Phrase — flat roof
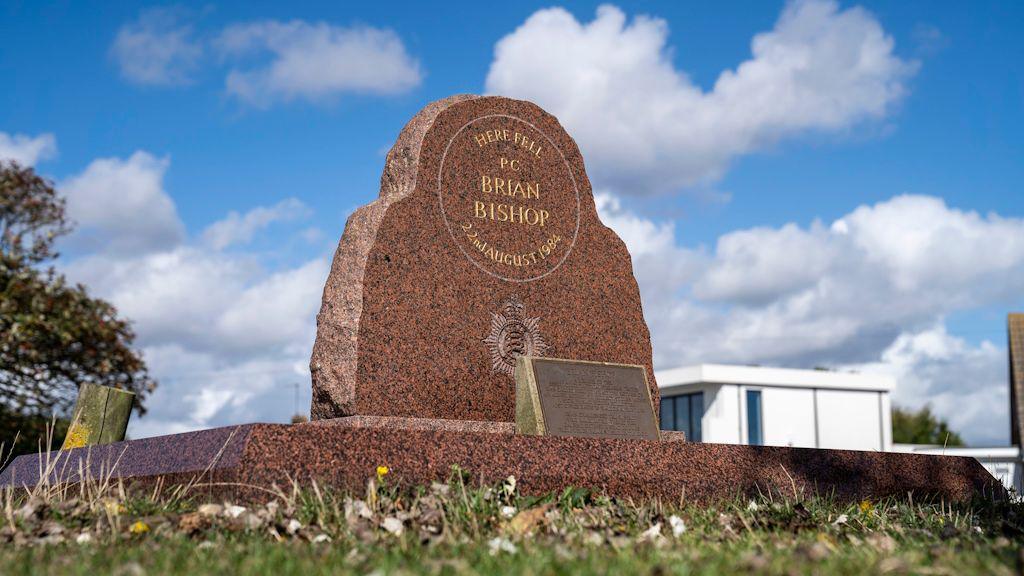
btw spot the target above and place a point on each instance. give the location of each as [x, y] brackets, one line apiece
[770, 377]
[979, 452]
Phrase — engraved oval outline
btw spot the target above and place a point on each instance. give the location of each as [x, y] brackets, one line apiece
[448, 224]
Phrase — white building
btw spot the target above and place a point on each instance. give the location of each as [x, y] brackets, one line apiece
[777, 406]
[801, 408]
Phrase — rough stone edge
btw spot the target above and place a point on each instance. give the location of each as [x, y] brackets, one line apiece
[342, 304]
[202, 455]
[271, 454]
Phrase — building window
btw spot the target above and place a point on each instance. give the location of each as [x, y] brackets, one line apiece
[755, 435]
[668, 414]
[683, 414]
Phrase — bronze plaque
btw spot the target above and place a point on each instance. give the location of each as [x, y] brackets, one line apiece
[556, 397]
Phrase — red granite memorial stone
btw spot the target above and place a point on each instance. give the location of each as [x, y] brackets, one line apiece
[484, 244]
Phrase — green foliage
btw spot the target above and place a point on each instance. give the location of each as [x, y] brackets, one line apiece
[922, 427]
[53, 335]
[29, 434]
[31, 215]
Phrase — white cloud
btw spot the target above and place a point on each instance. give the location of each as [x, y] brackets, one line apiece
[758, 265]
[225, 335]
[206, 300]
[295, 294]
[159, 48]
[965, 383]
[238, 228]
[199, 389]
[870, 290]
[645, 127]
[315, 61]
[173, 296]
[121, 206]
[270, 61]
[641, 236]
[27, 150]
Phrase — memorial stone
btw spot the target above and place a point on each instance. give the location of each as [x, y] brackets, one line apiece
[484, 247]
[484, 244]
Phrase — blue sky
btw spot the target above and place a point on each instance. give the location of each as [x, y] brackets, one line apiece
[812, 212]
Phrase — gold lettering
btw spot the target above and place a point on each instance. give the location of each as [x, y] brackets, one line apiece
[516, 211]
[523, 141]
[508, 187]
[531, 217]
[480, 139]
[511, 164]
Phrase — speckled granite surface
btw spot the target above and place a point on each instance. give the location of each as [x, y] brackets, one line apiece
[484, 243]
[242, 462]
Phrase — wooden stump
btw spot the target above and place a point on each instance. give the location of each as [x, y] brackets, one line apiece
[100, 417]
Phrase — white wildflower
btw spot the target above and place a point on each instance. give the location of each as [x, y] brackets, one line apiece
[393, 525]
[210, 510]
[677, 524]
[651, 534]
[499, 544]
[234, 511]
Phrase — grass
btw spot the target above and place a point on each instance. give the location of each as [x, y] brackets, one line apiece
[456, 527]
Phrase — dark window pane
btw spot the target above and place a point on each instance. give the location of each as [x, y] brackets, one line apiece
[696, 415]
[754, 417]
[683, 413]
[667, 417]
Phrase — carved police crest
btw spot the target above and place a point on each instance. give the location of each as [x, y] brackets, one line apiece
[512, 335]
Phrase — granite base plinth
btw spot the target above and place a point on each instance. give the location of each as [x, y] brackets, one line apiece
[243, 462]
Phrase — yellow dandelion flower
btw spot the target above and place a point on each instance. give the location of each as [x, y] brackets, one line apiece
[382, 471]
[139, 527]
[866, 506]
